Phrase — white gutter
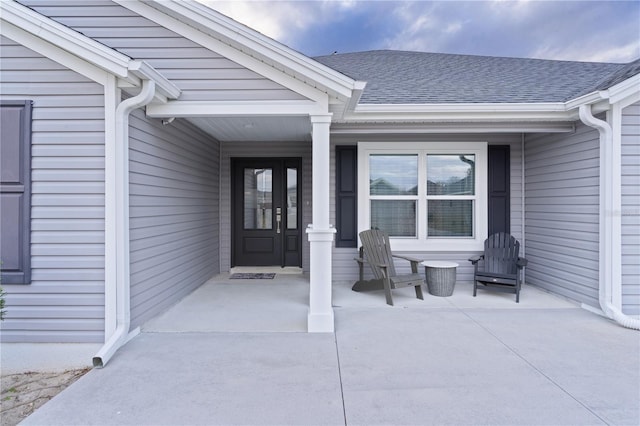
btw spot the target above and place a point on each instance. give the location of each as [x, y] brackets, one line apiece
[123, 312]
[609, 215]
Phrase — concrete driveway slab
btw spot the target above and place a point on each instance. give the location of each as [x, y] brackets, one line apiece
[592, 358]
[438, 367]
[207, 379]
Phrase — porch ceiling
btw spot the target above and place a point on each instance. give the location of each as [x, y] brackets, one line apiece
[252, 128]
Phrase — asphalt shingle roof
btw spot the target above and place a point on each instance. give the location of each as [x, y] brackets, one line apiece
[400, 77]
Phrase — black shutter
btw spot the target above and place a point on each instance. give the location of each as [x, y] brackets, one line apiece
[346, 196]
[499, 204]
[15, 192]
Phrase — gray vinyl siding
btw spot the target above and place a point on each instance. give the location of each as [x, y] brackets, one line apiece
[259, 150]
[174, 189]
[631, 210]
[200, 73]
[346, 269]
[65, 300]
[562, 209]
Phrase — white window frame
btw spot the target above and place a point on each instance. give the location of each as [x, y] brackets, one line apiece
[422, 242]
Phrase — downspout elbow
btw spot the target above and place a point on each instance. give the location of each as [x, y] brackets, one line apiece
[123, 315]
[606, 140]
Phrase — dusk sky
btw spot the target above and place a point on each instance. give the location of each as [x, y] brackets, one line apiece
[601, 31]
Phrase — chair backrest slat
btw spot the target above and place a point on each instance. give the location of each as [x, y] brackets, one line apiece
[377, 249]
[501, 252]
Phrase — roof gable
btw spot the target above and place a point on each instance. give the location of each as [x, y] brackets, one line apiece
[247, 47]
[209, 56]
[76, 51]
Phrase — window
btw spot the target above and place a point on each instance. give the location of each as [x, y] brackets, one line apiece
[15, 191]
[425, 195]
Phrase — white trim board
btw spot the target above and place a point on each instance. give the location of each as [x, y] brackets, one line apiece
[234, 108]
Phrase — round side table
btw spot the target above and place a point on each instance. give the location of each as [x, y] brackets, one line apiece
[440, 277]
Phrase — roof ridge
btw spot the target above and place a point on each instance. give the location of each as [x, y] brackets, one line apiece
[467, 55]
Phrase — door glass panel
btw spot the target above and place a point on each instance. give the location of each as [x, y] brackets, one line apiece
[292, 198]
[258, 198]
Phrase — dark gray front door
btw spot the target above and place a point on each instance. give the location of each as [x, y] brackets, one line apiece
[266, 212]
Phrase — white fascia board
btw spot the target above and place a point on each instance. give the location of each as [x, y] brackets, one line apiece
[355, 98]
[204, 26]
[53, 52]
[165, 87]
[234, 108]
[431, 128]
[270, 51]
[466, 112]
[625, 89]
[588, 99]
[64, 38]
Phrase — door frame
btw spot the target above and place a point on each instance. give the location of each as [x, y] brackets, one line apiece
[286, 257]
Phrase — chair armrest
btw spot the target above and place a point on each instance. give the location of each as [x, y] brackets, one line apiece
[377, 265]
[521, 262]
[410, 259]
[476, 259]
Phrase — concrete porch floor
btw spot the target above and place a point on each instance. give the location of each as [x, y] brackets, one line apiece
[281, 304]
[234, 352]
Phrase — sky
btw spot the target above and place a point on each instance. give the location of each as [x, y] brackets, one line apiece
[598, 31]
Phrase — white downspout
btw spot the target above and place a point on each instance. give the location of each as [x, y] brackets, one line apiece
[523, 204]
[123, 312]
[607, 213]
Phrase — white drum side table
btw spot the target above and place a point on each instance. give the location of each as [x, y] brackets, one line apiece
[440, 277]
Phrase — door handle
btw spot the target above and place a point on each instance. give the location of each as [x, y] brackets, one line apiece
[278, 219]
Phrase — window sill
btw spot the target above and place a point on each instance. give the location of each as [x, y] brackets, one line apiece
[436, 245]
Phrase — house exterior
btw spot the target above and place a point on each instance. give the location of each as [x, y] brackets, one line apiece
[148, 146]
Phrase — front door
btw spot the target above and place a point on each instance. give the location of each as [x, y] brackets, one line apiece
[266, 213]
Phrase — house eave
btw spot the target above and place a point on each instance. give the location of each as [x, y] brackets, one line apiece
[461, 112]
[164, 87]
[233, 108]
[260, 47]
[416, 128]
[623, 90]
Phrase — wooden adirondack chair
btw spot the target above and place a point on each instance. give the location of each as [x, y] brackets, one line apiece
[499, 267]
[376, 251]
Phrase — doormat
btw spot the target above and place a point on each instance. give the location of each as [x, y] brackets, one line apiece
[252, 276]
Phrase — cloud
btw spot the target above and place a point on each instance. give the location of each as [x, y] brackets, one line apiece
[279, 21]
[590, 51]
[570, 30]
[285, 21]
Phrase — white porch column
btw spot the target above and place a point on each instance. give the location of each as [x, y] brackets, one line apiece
[320, 232]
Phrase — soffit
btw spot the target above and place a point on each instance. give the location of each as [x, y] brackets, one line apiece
[257, 129]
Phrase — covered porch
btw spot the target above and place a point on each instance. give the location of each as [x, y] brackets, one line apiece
[281, 304]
